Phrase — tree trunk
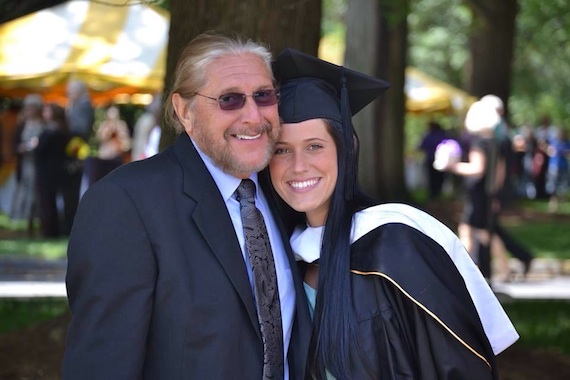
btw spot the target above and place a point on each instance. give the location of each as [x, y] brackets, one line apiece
[377, 45]
[361, 26]
[492, 45]
[277, 23]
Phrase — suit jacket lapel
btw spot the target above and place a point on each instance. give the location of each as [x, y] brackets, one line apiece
[212, 218]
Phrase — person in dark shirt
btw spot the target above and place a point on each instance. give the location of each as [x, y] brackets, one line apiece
[429, 143]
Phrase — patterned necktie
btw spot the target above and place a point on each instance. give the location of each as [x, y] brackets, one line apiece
[265, 281]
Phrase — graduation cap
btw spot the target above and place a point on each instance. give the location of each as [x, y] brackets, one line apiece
[315, 89]
[312, 88]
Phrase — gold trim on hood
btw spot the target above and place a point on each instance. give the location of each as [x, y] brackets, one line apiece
[426, 310]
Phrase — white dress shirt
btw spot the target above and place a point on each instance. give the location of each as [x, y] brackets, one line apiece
[227, 184]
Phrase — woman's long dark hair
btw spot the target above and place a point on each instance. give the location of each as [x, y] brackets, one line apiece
[333, 338]
[332, 343]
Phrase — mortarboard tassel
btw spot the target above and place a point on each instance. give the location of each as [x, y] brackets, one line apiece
[348, 129]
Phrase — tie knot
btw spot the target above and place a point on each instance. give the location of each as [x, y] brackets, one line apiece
[246, 190]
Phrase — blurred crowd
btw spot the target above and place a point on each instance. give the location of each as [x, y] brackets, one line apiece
[540, 164]
[497, 163]
[50, 154]
[537, 166]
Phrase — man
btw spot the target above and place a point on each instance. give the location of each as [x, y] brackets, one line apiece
[80, 112]
[159, 281]
[80, 118]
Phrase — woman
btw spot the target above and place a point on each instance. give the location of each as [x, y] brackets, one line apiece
[390, 301]
[484, 176]
[25, 142]
[114, 141]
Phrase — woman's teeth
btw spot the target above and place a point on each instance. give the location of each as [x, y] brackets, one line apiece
[303, 184]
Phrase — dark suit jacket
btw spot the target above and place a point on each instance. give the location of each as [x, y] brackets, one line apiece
[156, 280]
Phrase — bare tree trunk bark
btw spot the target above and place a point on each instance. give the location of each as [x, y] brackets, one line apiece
[377, 45]
[360, 54]
[492, 46]
[393, 46]
[277, 23]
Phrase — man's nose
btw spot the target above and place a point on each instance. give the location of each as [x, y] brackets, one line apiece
[251, 112]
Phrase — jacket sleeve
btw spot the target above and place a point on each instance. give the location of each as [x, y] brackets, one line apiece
[110, 283]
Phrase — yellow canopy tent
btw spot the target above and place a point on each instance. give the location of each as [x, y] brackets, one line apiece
[115, 50]
[122, 50]
[426, 95]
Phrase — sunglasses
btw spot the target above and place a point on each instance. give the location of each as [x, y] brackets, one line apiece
[234, 100]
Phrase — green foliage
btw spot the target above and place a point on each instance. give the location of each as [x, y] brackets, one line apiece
[439, 46]
[438, 37]
[16, 314]
[543, 323]
[542, 62]
[165, 4]
[333, 17]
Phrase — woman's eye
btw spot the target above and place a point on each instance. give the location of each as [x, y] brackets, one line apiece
[280, 151]
[315, 147]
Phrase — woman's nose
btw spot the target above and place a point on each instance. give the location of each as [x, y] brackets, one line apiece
[299, 163]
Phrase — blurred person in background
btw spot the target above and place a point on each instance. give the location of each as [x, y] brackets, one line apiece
[430, 141]
[144, 142]
[558, 176]
[114, 140]
[523, 146]
[502, 240]
[80, 112]
[544, 133]
[25, 142]
[50, 159]
[484, 175]
[80, 118]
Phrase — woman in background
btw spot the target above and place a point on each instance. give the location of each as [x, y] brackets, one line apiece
[25, 142]
[114, 141]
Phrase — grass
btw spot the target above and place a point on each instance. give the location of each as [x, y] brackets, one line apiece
[542, 323]
[17, 243]
[16, 314]
[39, 248]
[544, 239]
[541, 205]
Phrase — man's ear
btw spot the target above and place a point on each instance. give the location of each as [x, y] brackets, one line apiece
[182, 109]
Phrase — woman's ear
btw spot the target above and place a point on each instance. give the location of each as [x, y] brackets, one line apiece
[183, 112]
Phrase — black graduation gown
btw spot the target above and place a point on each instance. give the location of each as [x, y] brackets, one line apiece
[415, 317]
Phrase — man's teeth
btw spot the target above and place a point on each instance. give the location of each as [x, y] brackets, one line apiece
[246, 137]
[304, 184]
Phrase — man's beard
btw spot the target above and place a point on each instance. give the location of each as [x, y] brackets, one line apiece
[225, 158]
